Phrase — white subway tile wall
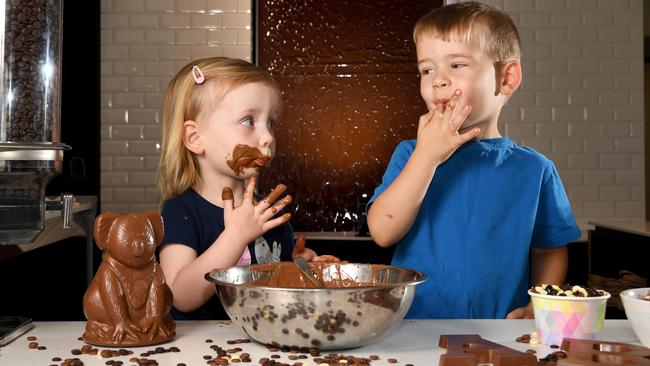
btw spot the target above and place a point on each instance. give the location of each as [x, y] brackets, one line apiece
[581, 101]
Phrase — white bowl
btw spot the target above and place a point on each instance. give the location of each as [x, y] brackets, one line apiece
[638, 312]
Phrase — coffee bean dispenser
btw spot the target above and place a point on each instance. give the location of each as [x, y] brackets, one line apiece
[30, 91]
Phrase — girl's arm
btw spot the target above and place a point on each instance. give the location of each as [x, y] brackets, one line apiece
[546, 266]
[184, 270]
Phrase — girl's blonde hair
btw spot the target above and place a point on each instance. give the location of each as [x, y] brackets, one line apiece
[475, 23]
[185, 98]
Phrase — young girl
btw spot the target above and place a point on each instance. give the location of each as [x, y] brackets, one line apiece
[217, 134]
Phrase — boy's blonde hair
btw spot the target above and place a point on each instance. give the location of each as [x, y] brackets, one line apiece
[185, 99]
[481, 25]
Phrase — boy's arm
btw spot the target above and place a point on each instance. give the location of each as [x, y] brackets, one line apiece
[391, 215]
[546, 266]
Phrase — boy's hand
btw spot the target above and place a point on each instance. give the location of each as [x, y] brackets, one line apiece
[522, 313]
[438, 135]
[252, 219]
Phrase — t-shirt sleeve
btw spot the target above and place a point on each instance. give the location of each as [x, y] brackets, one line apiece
[555, 224]
[397, 162]
[180, 224]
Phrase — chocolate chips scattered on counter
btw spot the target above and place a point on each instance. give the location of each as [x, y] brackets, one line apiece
[567, 290]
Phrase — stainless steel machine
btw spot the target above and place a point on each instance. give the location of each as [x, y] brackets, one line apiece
[31, 152]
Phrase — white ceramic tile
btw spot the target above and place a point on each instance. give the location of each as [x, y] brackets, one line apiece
[190, 36]
[596, 50]
[629, 145]
[599, 177]
[145, 116]
[583, 193]
[159, 36]
[127, 132]
[236, 20]
[224, 36]
[581, 34]
[142, 21]
[566, 19]
[629, 177]
[597, 19]
[114, 52]
[224, 6]
[208, 20]
[614, 161]
[144, 53]
[599, 209]
[128, 195]
[159, 6]
[518, 5]
[175, 21]
[630, 209]
[175, 53]
[534, 19]
[582, 5]
[113, 21]
[128, 163]
[143, 179]
[619, 5]
[550, 5]
[128, 6]
[584, 161]
[615, 193]
[114, 179]
[191, 6]
[128, 100]
[114, 148]
[550, 35]
[159, 68]
[142, 148]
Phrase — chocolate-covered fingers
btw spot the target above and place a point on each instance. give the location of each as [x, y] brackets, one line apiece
[275, 194]
[278, 206]
[450, 106]
[228, 199]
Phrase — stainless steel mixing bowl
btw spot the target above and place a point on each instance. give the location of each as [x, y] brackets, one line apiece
[325, 318]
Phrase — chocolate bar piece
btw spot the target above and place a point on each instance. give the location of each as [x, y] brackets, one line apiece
[472, 350]
[586, 352]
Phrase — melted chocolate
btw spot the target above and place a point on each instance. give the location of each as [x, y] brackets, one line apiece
[244, 156]
[287, 275]
[593, 352]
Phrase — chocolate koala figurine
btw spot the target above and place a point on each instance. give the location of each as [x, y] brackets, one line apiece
[128, 302]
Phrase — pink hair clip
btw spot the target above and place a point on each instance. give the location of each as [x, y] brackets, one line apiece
[199, 78]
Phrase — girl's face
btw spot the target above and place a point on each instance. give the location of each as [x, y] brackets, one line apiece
[237, 133]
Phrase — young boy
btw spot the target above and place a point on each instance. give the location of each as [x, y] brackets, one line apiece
[465, 205]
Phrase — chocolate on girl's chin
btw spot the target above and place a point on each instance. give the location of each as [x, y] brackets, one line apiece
[246, 157]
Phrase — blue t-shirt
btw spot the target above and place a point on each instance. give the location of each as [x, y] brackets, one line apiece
[486, 206]
[191, 220]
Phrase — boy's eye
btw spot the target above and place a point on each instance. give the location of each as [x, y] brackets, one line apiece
[427, 72]
[247, 122]
[457, 66]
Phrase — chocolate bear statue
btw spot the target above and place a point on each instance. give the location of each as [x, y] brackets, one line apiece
[128, 302]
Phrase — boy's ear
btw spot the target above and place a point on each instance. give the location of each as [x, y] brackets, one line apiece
[508, 77]
[192, 137]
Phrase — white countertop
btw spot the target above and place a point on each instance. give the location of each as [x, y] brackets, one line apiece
[414, 342]
[632, 227]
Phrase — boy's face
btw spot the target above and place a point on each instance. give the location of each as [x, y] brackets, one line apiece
[447, 66]
[245, 117]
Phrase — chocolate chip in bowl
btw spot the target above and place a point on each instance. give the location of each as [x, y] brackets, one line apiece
[565, 311]
[275, 305]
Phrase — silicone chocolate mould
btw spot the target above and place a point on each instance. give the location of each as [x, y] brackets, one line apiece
[472, 350]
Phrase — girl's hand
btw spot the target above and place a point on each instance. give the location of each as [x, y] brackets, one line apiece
[438, 135]
[252, 219]
[299, 250]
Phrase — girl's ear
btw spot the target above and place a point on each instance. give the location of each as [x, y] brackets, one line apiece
[509, 78]
[192, 137]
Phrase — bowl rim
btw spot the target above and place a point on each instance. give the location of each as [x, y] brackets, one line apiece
[566, 298]
[625, 294]
[422, 278]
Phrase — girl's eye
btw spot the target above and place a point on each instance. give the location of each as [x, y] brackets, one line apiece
[270, 123]
[247, 122]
